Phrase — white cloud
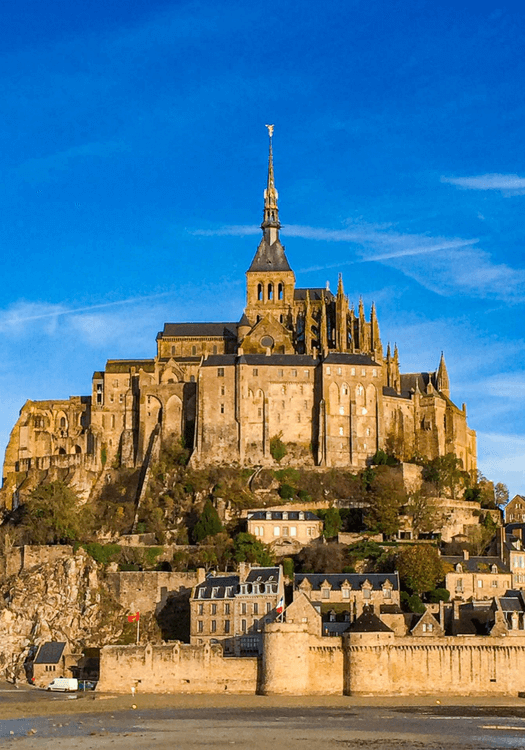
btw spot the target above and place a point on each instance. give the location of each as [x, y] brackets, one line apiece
[502, 458]
[510, 184]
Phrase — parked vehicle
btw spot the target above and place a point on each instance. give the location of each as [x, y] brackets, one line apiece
[87, 684]
[64, 684]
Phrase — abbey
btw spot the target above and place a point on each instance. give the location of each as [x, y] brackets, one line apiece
[301, 366]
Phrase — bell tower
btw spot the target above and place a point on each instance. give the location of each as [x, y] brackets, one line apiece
[270, 282]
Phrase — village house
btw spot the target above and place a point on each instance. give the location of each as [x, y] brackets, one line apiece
[515, 510]
[286, 531]
[231, 609]
[480, 577]
[53, 659]
[513, 552]
[348, 592]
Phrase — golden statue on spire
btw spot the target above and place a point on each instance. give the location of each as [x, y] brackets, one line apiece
[270, 129]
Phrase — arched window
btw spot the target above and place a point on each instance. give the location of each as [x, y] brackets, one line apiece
[280, 291]
[192, 378]
[78, 449]
[62, 422]
[344, 390]
[270, 292]
[259, 292]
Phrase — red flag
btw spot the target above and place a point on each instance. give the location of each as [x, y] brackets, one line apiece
[134, 618]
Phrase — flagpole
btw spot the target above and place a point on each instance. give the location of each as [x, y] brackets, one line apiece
[138, 629]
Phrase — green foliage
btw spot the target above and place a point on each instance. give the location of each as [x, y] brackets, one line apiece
[386, 496]
[322, 558]
[365, 550]
[289, 475]
[332, 522]
[103, 553]
[209, 523]
[103, 454]
[286, 491]
[51, 515]
[438, 595]
[426, 517]
[277, 448]
[445, 473]
[420, 567]
[246, 548]
[288, 567]
[151, 554]
[352, 519]
[412, 603]
[380, 458]
[304, 496]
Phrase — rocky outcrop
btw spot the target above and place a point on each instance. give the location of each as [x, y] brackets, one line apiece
[62, 600]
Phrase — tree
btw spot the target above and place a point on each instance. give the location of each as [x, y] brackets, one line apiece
[385, 496]
[323, 558]
[247, 548]
[51, 515]
[501, 494]
[209, 523]
[445, 473]
[420, 567]
[426, 517]
[332, 522]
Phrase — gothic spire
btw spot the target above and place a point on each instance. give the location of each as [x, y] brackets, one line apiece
[271, 210]
[442, 381]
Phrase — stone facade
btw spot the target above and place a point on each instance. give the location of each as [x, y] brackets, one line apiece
[301, 366]
[477, 577]
[515, 510]
[287, 531]
[232, 609]
[352, 590]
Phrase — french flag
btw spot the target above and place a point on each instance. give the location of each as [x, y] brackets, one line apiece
[280, 606]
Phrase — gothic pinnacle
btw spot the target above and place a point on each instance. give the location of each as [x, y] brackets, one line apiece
[271, 210]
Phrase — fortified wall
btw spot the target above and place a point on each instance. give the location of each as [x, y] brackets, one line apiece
[148, 590]
[295, 662]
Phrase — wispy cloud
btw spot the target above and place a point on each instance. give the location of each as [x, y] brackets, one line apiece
[503, 455]
[509, 184]
[444, 265]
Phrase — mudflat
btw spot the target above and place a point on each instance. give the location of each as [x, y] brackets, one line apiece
[31, 718]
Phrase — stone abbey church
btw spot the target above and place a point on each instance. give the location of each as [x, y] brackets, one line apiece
[300, 364]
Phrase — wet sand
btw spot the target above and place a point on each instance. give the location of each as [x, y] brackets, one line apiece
[189, 722]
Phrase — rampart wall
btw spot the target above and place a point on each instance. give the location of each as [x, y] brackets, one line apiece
[147, 591]
[175, 668]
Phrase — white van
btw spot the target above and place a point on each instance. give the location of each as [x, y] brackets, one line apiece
[65, 684]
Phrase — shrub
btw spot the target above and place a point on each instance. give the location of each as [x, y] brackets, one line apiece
[438, 595]
[288, 567]
[209, 523]
[277, 447]
[103, 553]
[286, 491]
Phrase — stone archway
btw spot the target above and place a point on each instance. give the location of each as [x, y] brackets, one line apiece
[172, 422]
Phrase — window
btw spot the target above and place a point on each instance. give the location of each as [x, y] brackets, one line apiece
[367, 594]
[341, 410]
[352, 371]
[339, 371]
[226, 626]
[280, 290]
[276, 530]
[243, 608]
[215, 349]
[298, 416]
[201, 609]
[328, 370]
[459, 584]
[193, 350]
[307, 373]
[259, 292]
[222, 390]
[346, 593]
[363, 371]
[214, 609]
[62, 422]
[285, 531]
[243, 626]
[222, 408]
[200, 626]
[255, 372]
[374, 373]
[214, 626]
[368, 431]
[387, 593]
[344, 390]
[325, 593]
[480, 583]
[294, 373]
[220, 372]
[173, 350]
[293, 530]
[494, 584]
[280, 373]
[270, 292]
[268, 607]
[255, 609]
[227, 608]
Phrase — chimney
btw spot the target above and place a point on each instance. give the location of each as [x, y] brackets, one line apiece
[456, 609]
[466, 554]
[244, 569]
[442, 613]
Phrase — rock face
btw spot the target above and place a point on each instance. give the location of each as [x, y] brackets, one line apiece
[63, 600]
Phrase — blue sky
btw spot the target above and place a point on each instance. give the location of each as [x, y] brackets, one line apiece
[133, 155]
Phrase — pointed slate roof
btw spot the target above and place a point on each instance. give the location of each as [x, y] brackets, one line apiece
[270, 258]
[368, 622]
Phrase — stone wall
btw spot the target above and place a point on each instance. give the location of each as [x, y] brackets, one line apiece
[148, 590]
[175, 668]
[29, 556]
[439, 666]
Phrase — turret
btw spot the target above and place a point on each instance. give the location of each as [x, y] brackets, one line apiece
[341, 318]
[442, 381]
[376, 345]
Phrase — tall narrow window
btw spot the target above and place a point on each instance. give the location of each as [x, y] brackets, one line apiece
[259, 292]
[280, 291]
[270, 292]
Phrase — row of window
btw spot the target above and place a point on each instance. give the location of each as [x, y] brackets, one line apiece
[367, 593]
[479, 583]
[194, 350]
[283, 531]
[353, 371]
[269, 292]
[246, 608]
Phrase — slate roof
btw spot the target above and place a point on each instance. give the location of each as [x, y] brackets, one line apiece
[356, 580]
[368, 622]
[510, 603]
[50, 652]
[193, 330]
[315, 293]
[125, 365]
[477, 564]
[409, 379]
[388, 391]
[221, 583]
[220, 360]
[335, 628]
[270, 258]
[263, 575]
[303, 360]
[277, 515]
[340, 358]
